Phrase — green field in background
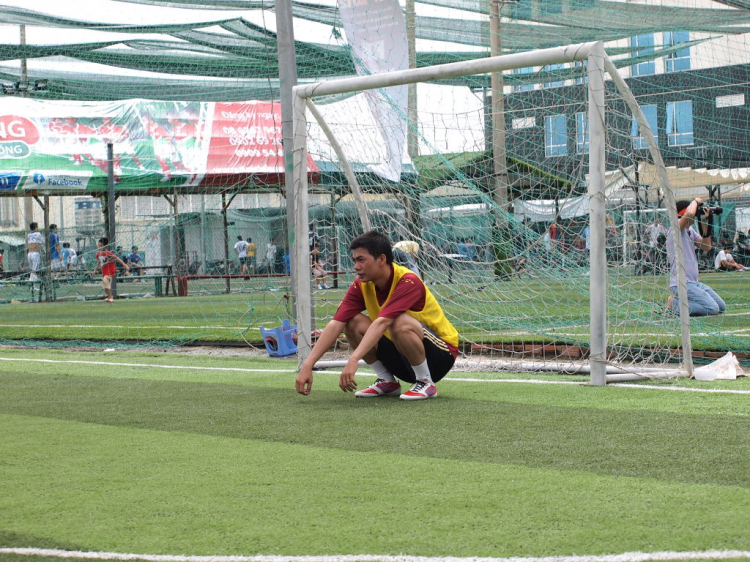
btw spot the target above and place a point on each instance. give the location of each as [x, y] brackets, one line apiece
[525, 310]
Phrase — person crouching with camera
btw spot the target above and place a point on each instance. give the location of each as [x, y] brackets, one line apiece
[702, 299]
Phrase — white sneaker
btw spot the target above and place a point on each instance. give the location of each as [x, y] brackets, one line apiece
[380, 387]
[320, 287]
[420, 390]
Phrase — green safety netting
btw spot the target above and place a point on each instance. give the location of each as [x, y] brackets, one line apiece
[244, 54]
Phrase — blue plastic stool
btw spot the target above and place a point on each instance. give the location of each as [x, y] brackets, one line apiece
[280, 341]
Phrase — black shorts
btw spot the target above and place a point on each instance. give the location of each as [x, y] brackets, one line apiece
[439, 358]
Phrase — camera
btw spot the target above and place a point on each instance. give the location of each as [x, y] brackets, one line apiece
[712, 209]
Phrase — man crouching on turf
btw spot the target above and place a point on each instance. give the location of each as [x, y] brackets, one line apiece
[405, 335]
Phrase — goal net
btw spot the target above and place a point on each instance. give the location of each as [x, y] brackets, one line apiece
[541, 230]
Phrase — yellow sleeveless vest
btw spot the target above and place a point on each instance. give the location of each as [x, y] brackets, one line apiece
[431, 316]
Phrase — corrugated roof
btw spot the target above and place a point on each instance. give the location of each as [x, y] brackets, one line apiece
[10, 240]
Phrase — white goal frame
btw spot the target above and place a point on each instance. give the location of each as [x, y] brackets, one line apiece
[592, 52]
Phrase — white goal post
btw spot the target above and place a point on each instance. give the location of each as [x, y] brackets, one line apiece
[592, 52]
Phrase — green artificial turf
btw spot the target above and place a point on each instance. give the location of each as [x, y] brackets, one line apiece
[213, 461]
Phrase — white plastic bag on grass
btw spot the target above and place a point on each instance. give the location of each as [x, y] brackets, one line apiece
[725, 368]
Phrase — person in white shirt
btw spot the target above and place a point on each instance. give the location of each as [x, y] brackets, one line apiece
[34, 243]
[405, 253]
[724, 261]
[654, 231]
[271, 257]
[241, 248]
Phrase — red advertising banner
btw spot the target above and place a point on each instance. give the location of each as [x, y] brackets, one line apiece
[248, 136]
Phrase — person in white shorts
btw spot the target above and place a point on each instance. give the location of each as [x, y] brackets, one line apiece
[34, 243]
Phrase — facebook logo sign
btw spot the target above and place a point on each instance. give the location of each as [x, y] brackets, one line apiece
[38, 179]
[9, 182]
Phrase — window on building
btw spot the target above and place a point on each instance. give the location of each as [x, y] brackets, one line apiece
[555, 135]
[732, 100]
[680, 123]
[553, 68]
[582, 132]
[128, 207]
[551, 6]
[523, 87]
[522, 9]
[523, 123]
[641, 45]
[8, 211]
[649, 112]
[678, 60]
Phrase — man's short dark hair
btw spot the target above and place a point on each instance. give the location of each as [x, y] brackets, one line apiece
[53, 227]
[682, 205]
[239, 238]
[104, 241]
[376, 243]
[33, 226]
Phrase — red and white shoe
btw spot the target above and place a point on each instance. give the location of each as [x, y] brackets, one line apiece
[379, 388]
[420, 391]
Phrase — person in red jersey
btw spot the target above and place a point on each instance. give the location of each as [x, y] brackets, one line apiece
[405, 335]
[105, 261]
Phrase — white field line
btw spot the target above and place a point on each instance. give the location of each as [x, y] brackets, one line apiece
[530, 381]
[625, 557]
[182, 367]
[451, 379]
[119, 326]
[714, 390]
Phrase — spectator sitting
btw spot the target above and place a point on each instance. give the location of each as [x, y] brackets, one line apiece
[120, 265]
[725, 262]
[135, 261]
[321, 277]
[405, 253]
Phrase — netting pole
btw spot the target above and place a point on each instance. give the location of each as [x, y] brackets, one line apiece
[597, 218]
[111, 229]
[28, 202]
[301, 263]
[653, 147]
[287, 80]
[412, 140]
[359, 200]
[225, 224]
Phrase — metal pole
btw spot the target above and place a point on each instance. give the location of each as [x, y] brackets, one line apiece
[287, 81]
[226, 240]
[177, 253]
[412, 140]
[359, 200]
[301, 258]
[443, 71]
[597, 219]
[497, 85]
[204, 247]
[28, 202]
[111, 230]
